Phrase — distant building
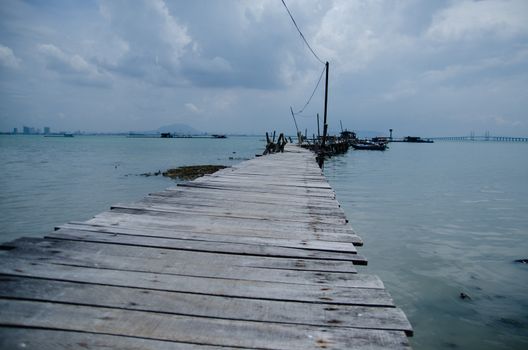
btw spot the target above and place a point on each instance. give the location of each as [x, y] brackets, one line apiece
[15, 130]
[26, 130]
[46, 130]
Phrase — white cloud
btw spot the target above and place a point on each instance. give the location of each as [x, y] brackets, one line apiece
[354, 33]
[72, 67]
[402, 90]
[152, 40]
[502, 121]
[480, 19]
[8, 58]
[192, 108]
[480, 65]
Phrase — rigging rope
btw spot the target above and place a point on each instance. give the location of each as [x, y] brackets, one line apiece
[302, 35]
[313, 93]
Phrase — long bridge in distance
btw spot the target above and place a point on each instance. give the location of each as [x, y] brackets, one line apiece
[257, 256]
[486, 137]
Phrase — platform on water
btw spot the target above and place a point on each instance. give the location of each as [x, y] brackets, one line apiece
[257, 256]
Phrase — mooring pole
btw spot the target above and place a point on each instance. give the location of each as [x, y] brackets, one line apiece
[341, 123]
[325, 124]
[295, 121]
[318, 131]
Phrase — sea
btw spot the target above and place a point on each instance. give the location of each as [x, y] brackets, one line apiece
[437, 219]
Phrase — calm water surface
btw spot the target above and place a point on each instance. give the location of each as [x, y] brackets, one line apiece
[440, 219]
[437, 219]
[47, 181]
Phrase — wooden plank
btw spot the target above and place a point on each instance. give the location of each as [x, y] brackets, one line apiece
[118, 257]
[224, 238]
[228, 212]
[254, 261]
[198, 285]
[226, 224]
[311, 314]
[184, 328]
[266, 181]
[152, 223]
[209, 197]
[214, 203]
[256, 188]
[304, 180]
[208, 247]
[265, 197]
[49, 339]
[314, 194]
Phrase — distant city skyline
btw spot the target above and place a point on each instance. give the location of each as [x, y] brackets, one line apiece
[429, 68]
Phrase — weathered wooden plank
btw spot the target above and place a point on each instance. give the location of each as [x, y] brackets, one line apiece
[48, 339]
[224, 238]
[198, 285]
[283, 197]
[316, 194]
[312, 314]
[256, 190]
[212, 196]
[305, 228]
[255, 186]
[255, 261]
[245, 172]
[214, 203]
[230, 213]
[220, 332]
[142, 259]
[209, 247]
[250, 181]
[316, 180]
[175, 226]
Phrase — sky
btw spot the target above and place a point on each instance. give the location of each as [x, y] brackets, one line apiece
[420, 67]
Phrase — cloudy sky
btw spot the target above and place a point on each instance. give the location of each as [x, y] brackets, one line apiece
[421, 67]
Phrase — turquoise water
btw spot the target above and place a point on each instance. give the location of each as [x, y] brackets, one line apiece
[437, 219]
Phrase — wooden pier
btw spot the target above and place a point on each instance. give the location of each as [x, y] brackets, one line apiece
[258, 256]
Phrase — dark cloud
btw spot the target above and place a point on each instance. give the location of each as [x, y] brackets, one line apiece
[430, 67]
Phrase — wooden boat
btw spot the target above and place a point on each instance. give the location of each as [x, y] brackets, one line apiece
[416, 139]
[370, 146]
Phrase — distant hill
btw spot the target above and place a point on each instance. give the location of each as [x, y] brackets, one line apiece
[177, 128]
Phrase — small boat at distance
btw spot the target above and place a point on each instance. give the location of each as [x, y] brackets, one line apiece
[369, 146]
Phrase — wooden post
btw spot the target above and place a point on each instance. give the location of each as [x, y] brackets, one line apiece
[318, 131]
[340, 123]
[325, 125]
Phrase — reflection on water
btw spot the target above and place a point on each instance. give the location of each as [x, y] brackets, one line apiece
[439, 220]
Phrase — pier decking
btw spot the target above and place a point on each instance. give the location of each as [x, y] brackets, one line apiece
[258, 256]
